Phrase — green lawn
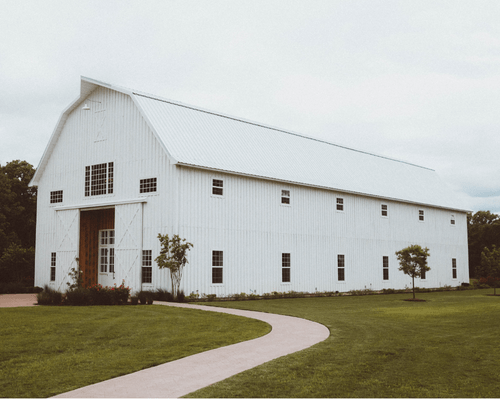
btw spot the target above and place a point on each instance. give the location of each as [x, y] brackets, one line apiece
[381, 346]
[45, 351]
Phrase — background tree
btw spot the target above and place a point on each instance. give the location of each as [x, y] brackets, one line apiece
[483, 230]
[489, 271]
[413, 261]
[17, 222]
[173, 255]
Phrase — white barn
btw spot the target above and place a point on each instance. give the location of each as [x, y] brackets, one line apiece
[266, 209]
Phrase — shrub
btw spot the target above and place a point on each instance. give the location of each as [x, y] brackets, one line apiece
[145, 296]
[181, 297]
[163, 295]
[49, 297]
[78, 297]
[134, 300]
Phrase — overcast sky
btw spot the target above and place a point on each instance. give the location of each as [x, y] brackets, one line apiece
[417, 81]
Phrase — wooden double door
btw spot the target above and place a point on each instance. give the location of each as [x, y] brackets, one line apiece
[97, 247]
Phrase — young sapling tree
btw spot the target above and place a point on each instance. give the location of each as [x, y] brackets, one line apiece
[173, 255]
[413, 262]
[490, 267]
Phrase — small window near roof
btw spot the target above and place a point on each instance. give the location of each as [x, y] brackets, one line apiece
[148, 185]
[285, 197]
[217, 187]
[340, 204]
[452, 220]
[385, 211]
[421, 215]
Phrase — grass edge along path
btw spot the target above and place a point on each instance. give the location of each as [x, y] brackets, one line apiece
[51, 350]
[381, 346]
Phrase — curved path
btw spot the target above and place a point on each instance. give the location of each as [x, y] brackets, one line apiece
[183, 376]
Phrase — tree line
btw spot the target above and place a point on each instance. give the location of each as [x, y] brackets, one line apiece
[17, 223]
[18, 227]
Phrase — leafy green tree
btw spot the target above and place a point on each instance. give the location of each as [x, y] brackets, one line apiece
[413, 262]
[483, 230]
[490, 267]
[17, 222]
[173, 255]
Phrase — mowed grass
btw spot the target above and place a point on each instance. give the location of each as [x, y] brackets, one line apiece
[381, 346]
[45, 351]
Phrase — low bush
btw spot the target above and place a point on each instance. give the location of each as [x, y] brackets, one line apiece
[49, 297]
[181, 297]
[146, 296]
[78, 297]
[163, 295]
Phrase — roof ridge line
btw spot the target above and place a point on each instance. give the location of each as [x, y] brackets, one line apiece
[195, 108]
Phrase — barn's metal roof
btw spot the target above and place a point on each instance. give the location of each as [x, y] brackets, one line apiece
[214, 141]
[205, 139]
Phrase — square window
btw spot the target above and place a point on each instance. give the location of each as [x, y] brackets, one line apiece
[217, 187]
[285, 197]
[384, 210]
[56, 196]
[217, 258]
[99, 179]
[340, 204]
[217, 275]
[147, 185]
[147, 275]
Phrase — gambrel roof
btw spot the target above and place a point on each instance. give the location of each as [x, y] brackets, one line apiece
[204, 139]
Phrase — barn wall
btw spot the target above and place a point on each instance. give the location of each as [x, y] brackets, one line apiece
[251, 226]
[113, 130]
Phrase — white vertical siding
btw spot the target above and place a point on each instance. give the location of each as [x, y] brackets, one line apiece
[253, 228]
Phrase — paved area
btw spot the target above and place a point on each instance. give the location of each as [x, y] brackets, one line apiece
[18, 300]
[183, 376]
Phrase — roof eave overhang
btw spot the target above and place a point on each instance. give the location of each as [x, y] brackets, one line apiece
[374, 196]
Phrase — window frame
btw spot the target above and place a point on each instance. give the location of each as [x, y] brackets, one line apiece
[215, 187]
[286, 194]
[53, 263]
[339, 204]
[104, 185]
[217, 267]
[453, 220]
[148, 185]
[56, 196]
[147, 267]
[386, 210]
[385, 268]
[286, 268]
[421, 215]
[341, 267]
[454, 272]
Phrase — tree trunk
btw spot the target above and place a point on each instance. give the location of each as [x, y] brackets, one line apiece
[413, 283]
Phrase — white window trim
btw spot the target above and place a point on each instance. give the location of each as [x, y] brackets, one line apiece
[289, 197]
[386, 210]
[343, 204]
[155, 193]
[454, 219]
[224, 188]
[418, 215]
[212, 266]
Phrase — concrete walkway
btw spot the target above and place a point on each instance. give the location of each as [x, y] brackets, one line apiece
[17, 300]
[183, 376]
